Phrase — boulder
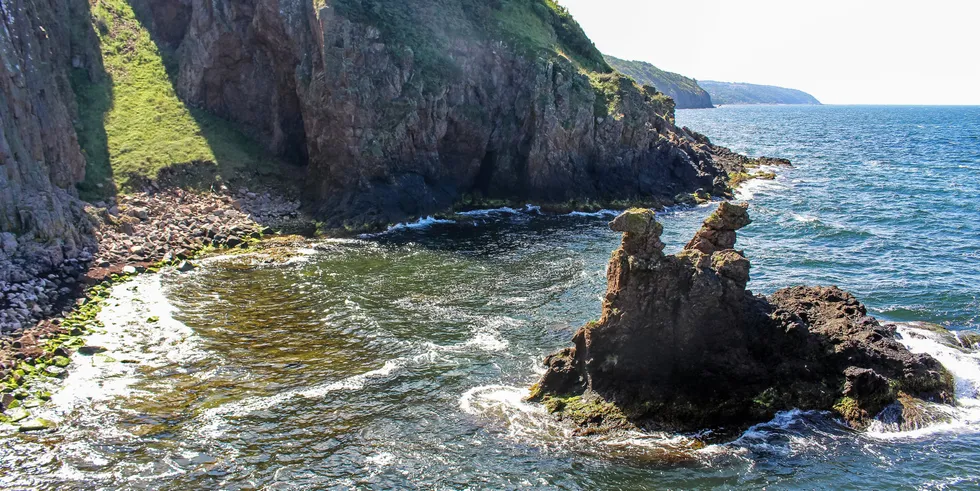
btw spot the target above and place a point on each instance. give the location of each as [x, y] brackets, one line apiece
[682, 345]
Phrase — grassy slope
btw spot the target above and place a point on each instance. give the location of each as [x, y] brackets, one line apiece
[668, 82]
[741, 93]
[132, 123]
[531, 27]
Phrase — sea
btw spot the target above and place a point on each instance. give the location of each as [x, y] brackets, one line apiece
[400, 360]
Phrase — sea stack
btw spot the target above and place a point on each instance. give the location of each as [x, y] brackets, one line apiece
[682, 345]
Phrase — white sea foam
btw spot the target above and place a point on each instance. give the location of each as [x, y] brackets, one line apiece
[140, 332]
[504, 210]
[354, 382]
[964, 364]
[805, 218]
[487, 336]
[523, 420]
[600, 213]
[748, 189]
[530, 422]
[418, 224]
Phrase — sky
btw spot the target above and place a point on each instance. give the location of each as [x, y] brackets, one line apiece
[841, 52]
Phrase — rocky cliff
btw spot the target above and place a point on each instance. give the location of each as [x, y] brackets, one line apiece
[397, 109]
[741, 93]
[685, 91]
[42, 224]
[682, 345]
[405, 108]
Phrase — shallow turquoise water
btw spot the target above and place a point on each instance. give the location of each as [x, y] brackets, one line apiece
[398, 361]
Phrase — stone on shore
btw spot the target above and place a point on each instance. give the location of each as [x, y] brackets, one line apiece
[36, 424]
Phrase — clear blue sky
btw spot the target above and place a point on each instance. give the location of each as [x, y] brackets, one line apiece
[841, 51]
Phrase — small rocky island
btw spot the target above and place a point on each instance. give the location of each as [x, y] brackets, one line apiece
[682, 345]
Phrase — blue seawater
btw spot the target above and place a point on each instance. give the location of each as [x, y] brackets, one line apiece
[882, 201]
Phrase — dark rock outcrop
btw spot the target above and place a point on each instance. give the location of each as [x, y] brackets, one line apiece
[43, 228]
[682, 344]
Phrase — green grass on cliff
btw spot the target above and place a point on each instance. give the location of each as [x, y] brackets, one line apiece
[132, 124]
[529, 26]
[646, 73]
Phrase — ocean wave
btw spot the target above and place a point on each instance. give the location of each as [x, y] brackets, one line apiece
[504, 210]
[600, 213]
[421, 223]
[805, 218]
[747, 190]
[486, 336]
[354, 382]
[963, 364]
[139, 332]
[531, 423]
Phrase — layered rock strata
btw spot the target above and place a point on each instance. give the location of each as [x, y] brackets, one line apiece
[44, 236]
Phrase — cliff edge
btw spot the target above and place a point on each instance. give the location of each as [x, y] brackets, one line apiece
[685, 91]
[406, 108]
[44, 232]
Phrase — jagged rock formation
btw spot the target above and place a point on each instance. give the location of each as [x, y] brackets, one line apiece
[682, 344]
[403, 108]
[42, 224]
[685, 91]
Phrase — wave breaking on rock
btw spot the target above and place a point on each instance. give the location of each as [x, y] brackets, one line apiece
[682, 345]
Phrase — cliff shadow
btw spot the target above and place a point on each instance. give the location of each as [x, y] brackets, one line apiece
[238, 157]
[92, 86]
[134, 127]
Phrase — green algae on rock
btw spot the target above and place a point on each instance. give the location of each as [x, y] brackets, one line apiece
[683, 346]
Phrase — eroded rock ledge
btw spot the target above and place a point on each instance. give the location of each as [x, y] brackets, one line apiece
[682, 345]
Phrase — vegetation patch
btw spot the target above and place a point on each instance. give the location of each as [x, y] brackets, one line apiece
[589, 411]
[531, 27]
[131, 122]
[646, 73]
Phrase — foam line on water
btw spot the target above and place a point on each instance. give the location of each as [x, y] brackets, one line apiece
[600, 213]
[418, 224]
[504, 210]
[141, 331]
[486, 336]
[354, 382]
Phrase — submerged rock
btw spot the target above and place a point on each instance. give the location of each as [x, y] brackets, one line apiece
[36, 424]
[682, 345]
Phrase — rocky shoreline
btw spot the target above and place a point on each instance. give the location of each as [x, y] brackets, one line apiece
[43, 318]
[165, 224]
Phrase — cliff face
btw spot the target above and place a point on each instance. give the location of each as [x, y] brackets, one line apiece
[403, 108]
[740, 93]
[41, 219]
[684, 90]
